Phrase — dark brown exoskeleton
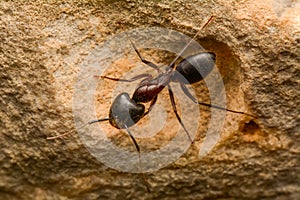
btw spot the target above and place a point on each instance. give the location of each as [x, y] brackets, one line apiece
[126, 112]
[190, 70]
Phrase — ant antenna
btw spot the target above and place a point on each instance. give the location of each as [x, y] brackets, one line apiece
[74, 130]
[204, 24]
[129, 133]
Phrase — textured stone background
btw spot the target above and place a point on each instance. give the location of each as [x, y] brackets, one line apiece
[257, 45]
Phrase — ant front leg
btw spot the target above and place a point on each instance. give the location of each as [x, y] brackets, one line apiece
[187, 93]
[139, 154]
[176, 113]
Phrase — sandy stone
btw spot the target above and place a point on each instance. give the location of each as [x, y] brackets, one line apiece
[44, 47]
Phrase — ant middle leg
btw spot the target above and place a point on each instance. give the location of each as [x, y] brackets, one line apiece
[145, 76]
[176, 113]
[151, 105]
[187, 93]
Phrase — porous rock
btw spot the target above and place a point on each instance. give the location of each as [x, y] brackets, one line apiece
[43, 45]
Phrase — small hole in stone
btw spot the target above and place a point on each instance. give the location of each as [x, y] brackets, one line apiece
[250, 128]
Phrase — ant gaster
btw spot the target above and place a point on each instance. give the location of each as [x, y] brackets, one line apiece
[126, 112]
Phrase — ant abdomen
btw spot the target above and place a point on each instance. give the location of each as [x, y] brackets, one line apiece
[124, 112]
[195, 68]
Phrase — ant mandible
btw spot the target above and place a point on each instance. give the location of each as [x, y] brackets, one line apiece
[126, 112]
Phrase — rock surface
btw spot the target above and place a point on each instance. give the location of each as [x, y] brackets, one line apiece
[43, 45]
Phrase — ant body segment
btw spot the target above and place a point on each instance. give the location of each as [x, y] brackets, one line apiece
[126, 112]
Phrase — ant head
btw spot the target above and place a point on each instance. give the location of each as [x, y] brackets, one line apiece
[124, 112]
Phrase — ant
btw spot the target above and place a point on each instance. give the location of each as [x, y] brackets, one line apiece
[126, 112]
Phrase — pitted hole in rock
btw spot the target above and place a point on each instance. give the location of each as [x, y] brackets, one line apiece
[252, 132]
[250, 128]
[230, 67]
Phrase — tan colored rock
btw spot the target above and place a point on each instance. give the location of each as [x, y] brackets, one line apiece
[43, 47]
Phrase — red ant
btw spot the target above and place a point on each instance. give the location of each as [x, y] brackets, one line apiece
[126, 112]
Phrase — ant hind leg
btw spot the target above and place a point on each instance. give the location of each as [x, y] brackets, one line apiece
[150, 64]
[187, 93]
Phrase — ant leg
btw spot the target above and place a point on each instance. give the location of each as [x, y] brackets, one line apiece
[151, 105]
[150, 64]
[133, 140]
[145, 76]
[176, 113]
[187, 93]
[139, 153]
[73, 130]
